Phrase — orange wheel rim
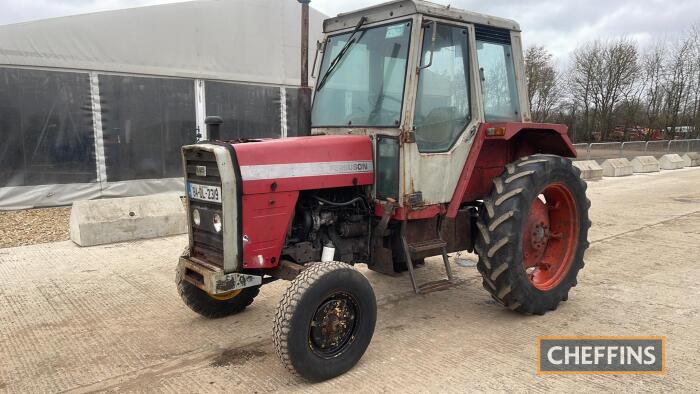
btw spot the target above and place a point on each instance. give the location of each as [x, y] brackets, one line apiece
[225, 296]
[550, 237]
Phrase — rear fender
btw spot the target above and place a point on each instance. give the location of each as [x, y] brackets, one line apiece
[490, 153]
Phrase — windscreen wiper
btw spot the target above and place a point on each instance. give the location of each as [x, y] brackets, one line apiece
[336, 60]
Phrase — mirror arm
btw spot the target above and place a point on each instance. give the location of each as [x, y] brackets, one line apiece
[319, 45]
[432, 48]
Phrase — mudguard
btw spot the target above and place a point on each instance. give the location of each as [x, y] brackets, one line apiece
[490, 152]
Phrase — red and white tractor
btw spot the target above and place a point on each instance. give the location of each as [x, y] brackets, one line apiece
[421, 145]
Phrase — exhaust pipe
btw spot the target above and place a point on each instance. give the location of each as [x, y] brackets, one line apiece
[304, 103]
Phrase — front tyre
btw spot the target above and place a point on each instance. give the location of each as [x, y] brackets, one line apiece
[324, 321]
[533, 232]
[216, 306]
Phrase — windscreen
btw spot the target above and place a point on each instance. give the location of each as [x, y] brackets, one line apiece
[365, 86]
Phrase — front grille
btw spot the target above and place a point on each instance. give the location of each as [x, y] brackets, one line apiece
[207, 244]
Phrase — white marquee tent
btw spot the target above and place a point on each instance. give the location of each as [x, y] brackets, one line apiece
[98, 105]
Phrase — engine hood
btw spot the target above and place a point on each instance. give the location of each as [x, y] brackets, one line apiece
[305, 163]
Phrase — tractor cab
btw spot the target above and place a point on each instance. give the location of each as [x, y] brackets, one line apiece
[420, 79]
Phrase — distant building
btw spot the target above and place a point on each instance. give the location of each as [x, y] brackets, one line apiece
[98, 105]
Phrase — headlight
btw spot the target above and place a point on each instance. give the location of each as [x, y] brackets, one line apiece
[196, 218]
[217, 222]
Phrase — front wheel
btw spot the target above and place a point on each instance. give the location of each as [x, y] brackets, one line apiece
[325, 321]
[533, 232]
[216, 306]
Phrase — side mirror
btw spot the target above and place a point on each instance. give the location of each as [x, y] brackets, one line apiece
[433, 24]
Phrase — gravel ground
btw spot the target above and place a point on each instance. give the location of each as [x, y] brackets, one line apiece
[33, 226]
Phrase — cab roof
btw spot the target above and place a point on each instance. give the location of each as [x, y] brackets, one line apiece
[399, 8]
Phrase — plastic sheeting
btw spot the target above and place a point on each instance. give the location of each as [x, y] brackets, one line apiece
[145, 121]
[258, 111]
[76, 135]
[46, 128]
[116, 131]
[23, 197]
[248, 111]
[298, 111]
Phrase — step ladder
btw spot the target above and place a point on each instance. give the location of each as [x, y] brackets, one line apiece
[411, 249]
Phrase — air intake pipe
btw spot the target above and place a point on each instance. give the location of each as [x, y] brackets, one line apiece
[213, 127]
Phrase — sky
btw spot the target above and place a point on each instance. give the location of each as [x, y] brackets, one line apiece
[560, 25]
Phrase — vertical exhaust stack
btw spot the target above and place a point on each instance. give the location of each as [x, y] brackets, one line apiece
[304, 104]
[304, 43]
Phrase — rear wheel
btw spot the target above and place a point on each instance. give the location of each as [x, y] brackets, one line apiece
[325, 321]
[533, 233]
[215, 306]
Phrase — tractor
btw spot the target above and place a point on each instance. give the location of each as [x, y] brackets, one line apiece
[421, 145]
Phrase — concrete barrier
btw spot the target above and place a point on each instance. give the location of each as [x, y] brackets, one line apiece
[590, 169]
[691, 159]
[98, 222]
[671, 161]
[642, 164]
[617, 167]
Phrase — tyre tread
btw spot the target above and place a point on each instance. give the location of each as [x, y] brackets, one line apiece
[198, 301]
[290, 302]
[498, 223]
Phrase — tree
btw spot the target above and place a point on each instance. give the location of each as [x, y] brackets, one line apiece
[610, 85]
[603, 75]
[653, 70]
[543, 85]
[695, 119]
[678, 79]
[585, 61]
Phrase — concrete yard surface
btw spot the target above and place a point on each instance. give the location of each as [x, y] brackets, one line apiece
[108, 318]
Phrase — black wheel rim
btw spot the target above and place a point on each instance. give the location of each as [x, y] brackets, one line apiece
[334, 325]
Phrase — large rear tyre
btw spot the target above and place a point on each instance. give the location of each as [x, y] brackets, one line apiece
[212, 306]
[533, 232]
[324, 321]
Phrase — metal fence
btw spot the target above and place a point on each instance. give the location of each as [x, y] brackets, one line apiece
[604, 150]
[630, 150]
[657, 148]
[601, 151]
[581, 150]
[694, 145]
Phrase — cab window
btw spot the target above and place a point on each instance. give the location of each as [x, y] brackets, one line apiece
[442, 102]
[366, 86]
[497, 72]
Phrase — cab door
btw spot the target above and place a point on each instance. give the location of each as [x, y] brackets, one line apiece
[445, 116]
